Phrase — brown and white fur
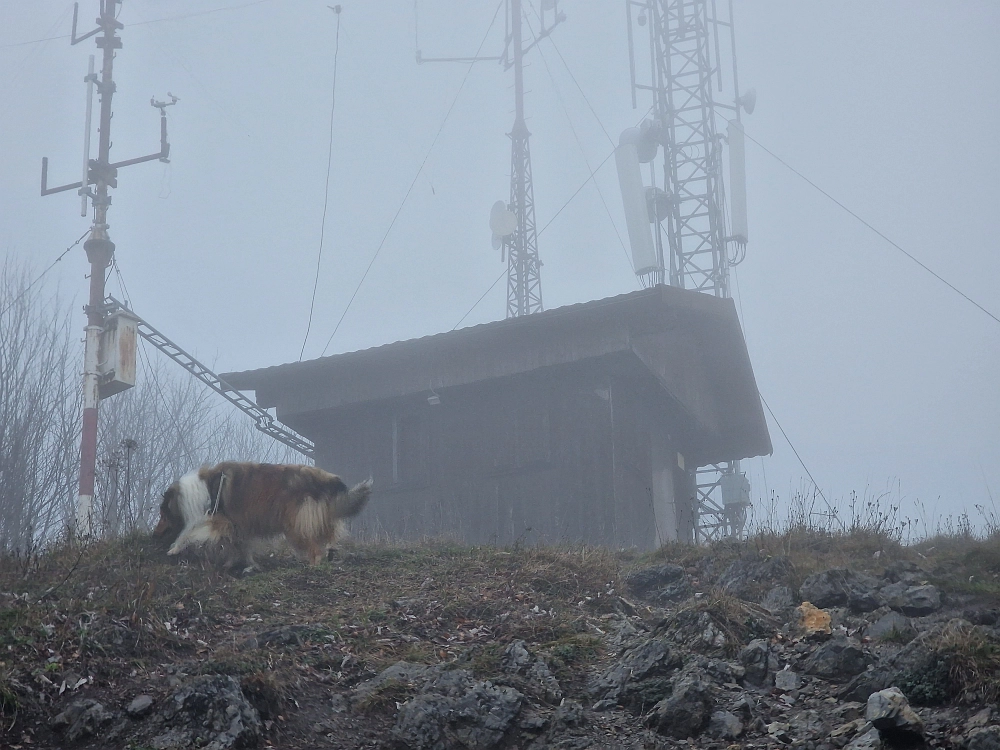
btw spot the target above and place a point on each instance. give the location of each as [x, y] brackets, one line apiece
[243, 503]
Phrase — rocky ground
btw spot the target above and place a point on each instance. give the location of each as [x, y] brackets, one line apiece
[810, 641]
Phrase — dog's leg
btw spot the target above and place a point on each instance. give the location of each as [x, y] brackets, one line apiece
[202, 532]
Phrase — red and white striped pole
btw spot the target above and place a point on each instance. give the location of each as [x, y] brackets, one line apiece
[100, 252]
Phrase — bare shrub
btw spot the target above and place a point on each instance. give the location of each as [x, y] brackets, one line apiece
[39, 411]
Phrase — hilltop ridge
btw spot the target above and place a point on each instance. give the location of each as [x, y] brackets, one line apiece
[437, 645]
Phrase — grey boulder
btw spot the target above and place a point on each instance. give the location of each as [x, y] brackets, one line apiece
[81, 719]
[890, 713]
[839, 658]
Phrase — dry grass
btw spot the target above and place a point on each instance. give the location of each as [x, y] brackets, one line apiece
[718, 621]
[962, 663]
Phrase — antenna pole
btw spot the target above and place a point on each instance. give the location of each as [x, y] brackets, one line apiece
[102, 174]
[100, 251]
[524, 288]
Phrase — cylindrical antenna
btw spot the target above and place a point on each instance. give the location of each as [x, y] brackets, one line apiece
[84, 193]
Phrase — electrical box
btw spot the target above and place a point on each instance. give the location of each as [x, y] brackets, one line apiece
[117, 354]
[735, 489]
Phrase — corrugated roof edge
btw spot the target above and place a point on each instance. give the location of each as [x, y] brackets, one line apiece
[247, 379]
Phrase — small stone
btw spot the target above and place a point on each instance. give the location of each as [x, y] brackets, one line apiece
[140, 705]
[724, 725]
[890, 713]
[813, 621]
[786, 680]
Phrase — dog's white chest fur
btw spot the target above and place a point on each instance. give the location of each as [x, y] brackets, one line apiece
[193, 503]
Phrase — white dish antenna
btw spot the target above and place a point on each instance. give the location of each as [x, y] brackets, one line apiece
[503, 222]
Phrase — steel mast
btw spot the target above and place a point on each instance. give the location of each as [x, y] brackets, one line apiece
[102, 174]
[524, 286]
[520, 246]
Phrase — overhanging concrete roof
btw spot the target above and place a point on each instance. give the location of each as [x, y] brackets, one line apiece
[689, 341]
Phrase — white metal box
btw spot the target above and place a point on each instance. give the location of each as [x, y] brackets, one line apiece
[117, 354]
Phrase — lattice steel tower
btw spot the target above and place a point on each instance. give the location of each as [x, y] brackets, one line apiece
[687, 205]
[524, 284]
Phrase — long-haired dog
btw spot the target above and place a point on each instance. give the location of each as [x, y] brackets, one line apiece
[239, 504]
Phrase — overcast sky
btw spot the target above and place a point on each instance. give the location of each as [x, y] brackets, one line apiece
[881, 375]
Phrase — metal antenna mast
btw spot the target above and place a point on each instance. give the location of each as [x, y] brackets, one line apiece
[688, 208]
[524, 285]
[102, 174]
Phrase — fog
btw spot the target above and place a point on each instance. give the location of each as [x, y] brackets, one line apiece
[883, 378]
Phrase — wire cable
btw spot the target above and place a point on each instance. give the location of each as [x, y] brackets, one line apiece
[143, 23]
[933, 273]
[576, 137]
[42, 274]
[502, 273]
[803, 463]
[414, 182]
[326, 191]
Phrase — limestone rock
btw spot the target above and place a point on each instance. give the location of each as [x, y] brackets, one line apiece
[455, 711]
[983, 738]
[870, 740]
[779, 599]
[640, 677]
[758, 660]
[662, 583]
[81, 719]
[892, 624]
[839, 658]
[139, 706]
[914, 601]
[890, 713]
[786, 680]
[687, 711]
[208, 712]
[538, 678]
[724, 725]
[841, 587]
[750, 576]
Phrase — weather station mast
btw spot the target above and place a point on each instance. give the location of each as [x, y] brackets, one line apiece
[514, 230]
[679, 228]
[109, 346]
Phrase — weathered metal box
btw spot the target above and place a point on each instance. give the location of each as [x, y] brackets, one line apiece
[117, 354]
[735, 489]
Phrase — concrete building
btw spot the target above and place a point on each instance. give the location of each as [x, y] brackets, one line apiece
[579, 424]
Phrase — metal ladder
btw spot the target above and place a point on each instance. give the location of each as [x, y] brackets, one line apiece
[262, 419]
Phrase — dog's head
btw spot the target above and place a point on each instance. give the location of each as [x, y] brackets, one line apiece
[171, 522]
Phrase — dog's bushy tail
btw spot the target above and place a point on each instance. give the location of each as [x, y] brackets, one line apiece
[350, 503]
